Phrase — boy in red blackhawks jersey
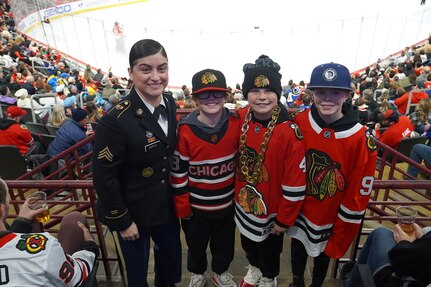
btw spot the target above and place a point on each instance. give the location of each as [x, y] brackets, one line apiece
[203, 178]
[270, 182]
[341, 160]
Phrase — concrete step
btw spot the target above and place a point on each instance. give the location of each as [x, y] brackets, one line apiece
[238, 268]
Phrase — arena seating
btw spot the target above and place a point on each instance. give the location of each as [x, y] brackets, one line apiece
[70, 187]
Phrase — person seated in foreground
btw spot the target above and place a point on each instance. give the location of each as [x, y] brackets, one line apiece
[39, 259]
[419, 153]
[394, 258]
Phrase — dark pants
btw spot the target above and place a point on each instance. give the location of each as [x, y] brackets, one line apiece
[219, 233]
[265, 255]
[167, 254]
[70, 235]
[299, 261]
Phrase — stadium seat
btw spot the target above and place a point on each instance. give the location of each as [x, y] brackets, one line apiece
[407, 144]
[36, 128]
[28, 117]
[52, 130]
[365, 278]
[46, 140]
[91, 279]
[365, 275]
[12, 163]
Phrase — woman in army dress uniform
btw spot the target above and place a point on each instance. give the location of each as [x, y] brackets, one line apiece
[131, 160]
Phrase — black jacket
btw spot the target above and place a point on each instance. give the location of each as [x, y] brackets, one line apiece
[408, 259]
[131, 163]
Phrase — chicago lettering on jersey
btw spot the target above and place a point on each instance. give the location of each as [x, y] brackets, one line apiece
[212, 170]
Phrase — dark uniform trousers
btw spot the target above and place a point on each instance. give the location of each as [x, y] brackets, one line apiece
[167, 254]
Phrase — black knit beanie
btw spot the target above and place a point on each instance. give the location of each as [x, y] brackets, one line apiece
[264, 73]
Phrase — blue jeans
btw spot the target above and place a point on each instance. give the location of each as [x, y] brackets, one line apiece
[374, 253]
[419, 152]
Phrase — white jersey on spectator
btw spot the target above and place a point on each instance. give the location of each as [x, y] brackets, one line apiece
[49, 265]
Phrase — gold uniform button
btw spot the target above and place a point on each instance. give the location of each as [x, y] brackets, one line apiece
[147, 172]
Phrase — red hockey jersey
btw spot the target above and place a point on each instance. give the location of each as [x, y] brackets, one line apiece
[203, 169]
[340, 169]
[279, 195]
[396, 132]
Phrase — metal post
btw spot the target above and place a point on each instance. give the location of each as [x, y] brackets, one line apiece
[106, 42]
[359, 41]
[92, 45]
[374, 36]
[41, 22]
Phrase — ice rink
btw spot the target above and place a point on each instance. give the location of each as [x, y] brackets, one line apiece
[227, 34]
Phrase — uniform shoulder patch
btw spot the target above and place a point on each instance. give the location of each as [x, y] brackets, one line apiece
[296, 130]
[371, 144]
[105, 154]
[120, 108]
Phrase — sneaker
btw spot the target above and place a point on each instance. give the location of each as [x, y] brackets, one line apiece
[197, 280]
[223, 280]
[251, 278]
[297, 282]
[267, 282]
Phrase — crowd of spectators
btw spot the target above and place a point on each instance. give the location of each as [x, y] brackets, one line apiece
[69, 98]
[28, 68]
[42, 82]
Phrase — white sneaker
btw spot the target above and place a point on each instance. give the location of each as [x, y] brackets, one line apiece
[197, 280]
[223, 280]
[267, 282]
[252, 277]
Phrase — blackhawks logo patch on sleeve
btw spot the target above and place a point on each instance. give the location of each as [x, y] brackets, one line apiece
[296, 130]
[371, 144]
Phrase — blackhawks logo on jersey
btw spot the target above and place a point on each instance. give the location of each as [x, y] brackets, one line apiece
[32, 243]
[296, 130]
[251, 158]
[324, 177]
[371, 144]
[251, 200]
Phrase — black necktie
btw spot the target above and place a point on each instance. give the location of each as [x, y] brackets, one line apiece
[160, 110]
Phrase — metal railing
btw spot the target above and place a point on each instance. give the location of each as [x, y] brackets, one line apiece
[391, 190]
[47, 108]
[74, 176]
[409, 101]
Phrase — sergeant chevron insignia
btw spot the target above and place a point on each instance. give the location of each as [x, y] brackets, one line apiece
[105, 154]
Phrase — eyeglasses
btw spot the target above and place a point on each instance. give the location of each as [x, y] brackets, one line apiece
[206, 95]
